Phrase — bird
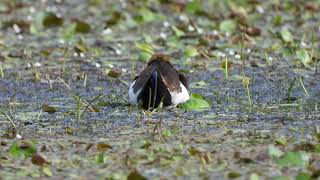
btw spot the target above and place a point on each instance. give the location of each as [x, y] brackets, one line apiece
[159, 83]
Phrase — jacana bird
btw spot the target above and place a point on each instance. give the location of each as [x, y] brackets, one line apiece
[159, 82]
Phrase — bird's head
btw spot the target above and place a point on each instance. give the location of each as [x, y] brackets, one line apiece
[159, 57]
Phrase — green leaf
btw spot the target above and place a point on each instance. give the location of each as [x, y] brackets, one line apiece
[146, 51]
[317, 148]
[303, 56]
[22, 149]
[144, 56]
[48, 19]
[303, 176]
[233, 175]
[281, 141]
[166, 133]
[135, 175]
[145, 47]
[82, 27]
[193, 6]
[287, 52]
[286, 35]
[254, 176]
[191, 52]
[228, 26]
[274, 151]
[281, 178]
[196, 102]
[178, 33]
[144, 16]
[99, 158]
[48, 109]
[47, 171]
[277, 20]
[293, 159]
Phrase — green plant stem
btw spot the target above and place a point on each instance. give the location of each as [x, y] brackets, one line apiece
[1, 71]
[290, 90]
[78, 107]
[226, 68]
[9, 119]
[89, 104]
[249, 94]
[303, 87]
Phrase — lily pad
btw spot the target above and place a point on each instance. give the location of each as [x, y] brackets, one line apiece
[22, 149]
[191, 51]
[49, 19]
[304, 57]
[286, 35]
[193, 6]
[196, 102]
[294, 159]
[48, 109]
[82, 27]
[228, 26]
[146, 51]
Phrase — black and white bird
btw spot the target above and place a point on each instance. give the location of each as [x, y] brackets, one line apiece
[159, 82]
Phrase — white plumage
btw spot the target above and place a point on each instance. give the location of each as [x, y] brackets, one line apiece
[176, 98]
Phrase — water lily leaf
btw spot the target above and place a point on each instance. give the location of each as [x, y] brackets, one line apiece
[304, 57]
[303, 176]
[254, 176]
[191, 52]
[144, 56]
[47, 171]
[144, 16]
[233, 175]
[281, 178]
[82, 27]
[146, 51]
[286, 35]
[48, 109]
[145, 47]
[228, 26]
[135, 175]
[22, 149]
[196, 102]
[49, 19]
[293, 159]
[193, 6]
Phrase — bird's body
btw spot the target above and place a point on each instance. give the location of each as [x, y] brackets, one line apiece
[159, 82]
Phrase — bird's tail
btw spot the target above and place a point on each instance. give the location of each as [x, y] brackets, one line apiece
[154, 88]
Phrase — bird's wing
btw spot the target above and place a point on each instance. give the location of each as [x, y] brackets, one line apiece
[183, 80]
[143, 78]
[169, 76]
